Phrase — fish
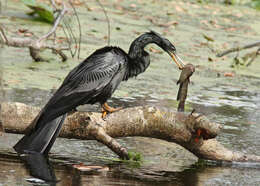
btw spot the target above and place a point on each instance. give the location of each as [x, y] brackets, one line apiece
[184, 81]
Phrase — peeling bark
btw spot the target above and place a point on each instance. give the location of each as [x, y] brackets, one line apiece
[146, 121]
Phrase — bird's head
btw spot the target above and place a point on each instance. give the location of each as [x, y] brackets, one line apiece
[168, 47]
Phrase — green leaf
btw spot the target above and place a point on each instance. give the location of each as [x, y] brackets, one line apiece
[256, 4]
[42, 10]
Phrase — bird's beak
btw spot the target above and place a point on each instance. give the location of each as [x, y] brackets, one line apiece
[177, 60]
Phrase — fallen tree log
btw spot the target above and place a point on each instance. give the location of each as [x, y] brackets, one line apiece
[192, 131]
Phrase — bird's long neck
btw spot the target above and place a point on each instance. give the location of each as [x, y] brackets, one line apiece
[139, 59]
[137, 47]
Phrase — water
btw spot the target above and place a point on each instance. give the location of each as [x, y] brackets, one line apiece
[238, 111]
[232, 101]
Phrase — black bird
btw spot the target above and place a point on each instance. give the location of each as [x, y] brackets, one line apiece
[94, 80]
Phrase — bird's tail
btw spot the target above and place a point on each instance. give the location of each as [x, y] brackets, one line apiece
[41, 139]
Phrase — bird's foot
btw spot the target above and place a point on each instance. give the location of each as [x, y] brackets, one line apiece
[107, 109]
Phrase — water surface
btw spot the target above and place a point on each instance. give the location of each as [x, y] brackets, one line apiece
[232, 101]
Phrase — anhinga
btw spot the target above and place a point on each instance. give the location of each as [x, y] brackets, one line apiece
[94, 80]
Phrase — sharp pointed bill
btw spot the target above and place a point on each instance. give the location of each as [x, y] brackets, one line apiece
[177, 60]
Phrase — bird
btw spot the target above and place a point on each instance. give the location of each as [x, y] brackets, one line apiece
[92, 81]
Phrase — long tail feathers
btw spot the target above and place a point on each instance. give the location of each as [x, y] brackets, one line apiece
[42, 139]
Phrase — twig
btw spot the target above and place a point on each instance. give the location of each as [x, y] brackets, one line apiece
[61, 54]
[55, 25]
[35, 46]
[3, 36]
[35, 53]
[108, 22]
[71, 35]
[54, 5]
[79, 28]
[253, 58]
[68, 35]
[235, 49]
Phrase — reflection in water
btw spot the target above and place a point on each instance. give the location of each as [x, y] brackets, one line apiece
[237, 109]
[39, 167]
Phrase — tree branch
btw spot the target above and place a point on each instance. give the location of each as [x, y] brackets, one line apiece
[54, 5]
[80, 34]
[254, 57]
[236, 49]
[2, 35]
[180, 128]
[35, 46]
[55, 25]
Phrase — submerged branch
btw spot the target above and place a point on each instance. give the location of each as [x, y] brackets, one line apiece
[236, 49]
[147, 121]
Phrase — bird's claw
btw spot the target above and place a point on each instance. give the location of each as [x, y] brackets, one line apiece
[107, 109]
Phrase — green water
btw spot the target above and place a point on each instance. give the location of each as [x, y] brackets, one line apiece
[231, 101]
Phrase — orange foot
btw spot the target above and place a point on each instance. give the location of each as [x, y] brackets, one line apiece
[107, 109]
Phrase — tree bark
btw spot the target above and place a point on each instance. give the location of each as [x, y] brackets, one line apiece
[146, 121]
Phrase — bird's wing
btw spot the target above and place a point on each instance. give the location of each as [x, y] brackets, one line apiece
[93, 73]
[83, 83]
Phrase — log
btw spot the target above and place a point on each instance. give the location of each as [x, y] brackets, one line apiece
[147, 121]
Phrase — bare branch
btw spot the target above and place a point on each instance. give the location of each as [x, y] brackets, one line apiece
[35, 53]
[27, 42]
[68, 35]
[254, 57]
[236, 49]
[55, 25]
[78, 47]
[3, 36]
[34, 49]
[61, 54]
[71, 36]
[35, 46]
[54, 5]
